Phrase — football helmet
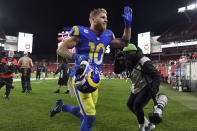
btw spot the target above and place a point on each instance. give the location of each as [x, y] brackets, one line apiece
[86, 78]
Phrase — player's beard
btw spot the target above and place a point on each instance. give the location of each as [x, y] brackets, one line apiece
[100, 28]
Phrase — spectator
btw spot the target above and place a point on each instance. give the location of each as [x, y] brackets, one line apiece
[194, 56]
[44, 70]
[64, 75]
[38, 71]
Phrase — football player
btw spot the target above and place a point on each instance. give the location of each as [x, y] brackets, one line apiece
[90, 44]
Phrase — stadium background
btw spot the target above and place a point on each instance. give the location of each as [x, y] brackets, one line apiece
[176, 64]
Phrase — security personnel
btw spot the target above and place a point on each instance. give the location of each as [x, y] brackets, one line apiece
[25, 64]
[6, 78]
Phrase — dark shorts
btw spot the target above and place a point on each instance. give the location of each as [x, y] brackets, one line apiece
[62, 81]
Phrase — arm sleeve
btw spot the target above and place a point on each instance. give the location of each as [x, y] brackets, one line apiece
[150, 71]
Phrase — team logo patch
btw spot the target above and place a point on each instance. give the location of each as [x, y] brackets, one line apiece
[85, 31]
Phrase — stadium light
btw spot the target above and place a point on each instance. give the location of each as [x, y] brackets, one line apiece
[191, 7]
[181, 10]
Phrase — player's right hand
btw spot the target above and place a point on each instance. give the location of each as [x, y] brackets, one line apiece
[79, 58]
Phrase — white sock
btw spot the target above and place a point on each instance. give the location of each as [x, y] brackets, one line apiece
[142, 127]
[146, 122]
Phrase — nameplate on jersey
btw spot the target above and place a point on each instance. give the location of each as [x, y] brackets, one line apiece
[108, 34]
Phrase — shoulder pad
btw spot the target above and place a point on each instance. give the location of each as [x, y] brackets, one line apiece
[111, 33]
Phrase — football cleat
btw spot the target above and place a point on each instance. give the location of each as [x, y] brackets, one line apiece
[67, 92]
[57, 108]
[57, 91]
[6, 97]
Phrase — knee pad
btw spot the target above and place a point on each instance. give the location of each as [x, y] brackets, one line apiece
[89, 120]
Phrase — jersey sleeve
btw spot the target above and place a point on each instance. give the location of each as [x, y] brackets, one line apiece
[111, 34]
[75, 31]
[113, 37]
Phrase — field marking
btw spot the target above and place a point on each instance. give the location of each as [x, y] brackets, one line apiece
[188, 99]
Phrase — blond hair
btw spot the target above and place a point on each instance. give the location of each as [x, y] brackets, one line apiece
[96, 12]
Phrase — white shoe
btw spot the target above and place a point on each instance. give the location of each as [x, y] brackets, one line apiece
[141, 127]
[149, 127]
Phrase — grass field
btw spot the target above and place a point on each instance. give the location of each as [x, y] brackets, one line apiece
[30, 112]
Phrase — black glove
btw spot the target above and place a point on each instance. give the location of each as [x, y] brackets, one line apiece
[120, 56]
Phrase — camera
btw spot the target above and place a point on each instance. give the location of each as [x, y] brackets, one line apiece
[156, 116]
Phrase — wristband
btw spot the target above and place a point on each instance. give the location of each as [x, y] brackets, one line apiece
[127, 25]
[126, 41]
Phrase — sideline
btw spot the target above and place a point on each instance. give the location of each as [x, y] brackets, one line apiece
[188, 99]
[15, 80]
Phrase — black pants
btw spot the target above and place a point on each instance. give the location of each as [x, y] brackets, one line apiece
[38, 75]
[25, 79]
[3, 82]
[63, 81]
[136, 103]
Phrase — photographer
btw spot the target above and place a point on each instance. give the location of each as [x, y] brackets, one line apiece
[6, 75]
[145, 85]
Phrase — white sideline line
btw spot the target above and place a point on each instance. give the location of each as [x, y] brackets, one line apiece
[15, 80]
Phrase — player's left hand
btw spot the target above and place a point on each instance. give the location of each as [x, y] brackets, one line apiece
[127, 16]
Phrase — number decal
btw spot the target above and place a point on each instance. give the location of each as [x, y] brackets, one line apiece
[92, 47]
[95, 52]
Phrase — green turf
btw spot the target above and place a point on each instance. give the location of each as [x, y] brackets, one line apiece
[30, 112]
[33, 75]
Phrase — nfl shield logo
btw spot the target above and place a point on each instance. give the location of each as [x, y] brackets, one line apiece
[85, 31]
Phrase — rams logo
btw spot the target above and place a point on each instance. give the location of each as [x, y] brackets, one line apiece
[86, 78]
